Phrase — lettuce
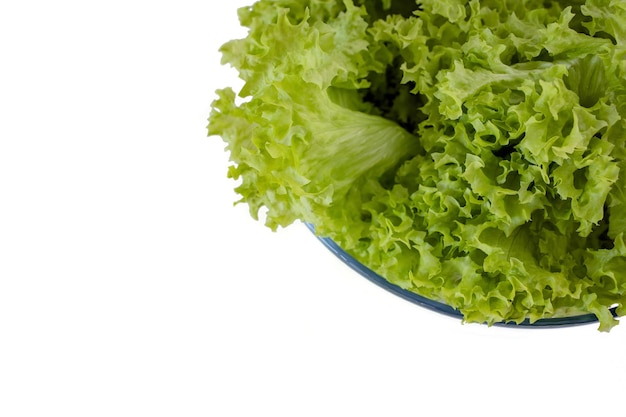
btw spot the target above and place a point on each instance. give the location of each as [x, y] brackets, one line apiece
[472, 152]
[305, 136]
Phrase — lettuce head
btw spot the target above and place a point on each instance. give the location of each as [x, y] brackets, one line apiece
[473, 152]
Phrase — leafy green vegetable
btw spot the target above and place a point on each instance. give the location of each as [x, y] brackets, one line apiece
[473, 151]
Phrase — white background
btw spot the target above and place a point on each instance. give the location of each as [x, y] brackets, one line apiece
[131, 286]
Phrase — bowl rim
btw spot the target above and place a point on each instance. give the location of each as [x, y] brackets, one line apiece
[440, 307]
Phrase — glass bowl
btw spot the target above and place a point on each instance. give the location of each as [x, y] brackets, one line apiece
[438, 306]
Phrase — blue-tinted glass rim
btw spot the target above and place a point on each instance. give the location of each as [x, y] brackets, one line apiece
[441, 307]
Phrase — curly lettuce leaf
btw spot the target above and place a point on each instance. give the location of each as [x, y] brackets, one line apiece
[301, 140]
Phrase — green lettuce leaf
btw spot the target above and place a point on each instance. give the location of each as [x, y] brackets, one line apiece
[301, 140]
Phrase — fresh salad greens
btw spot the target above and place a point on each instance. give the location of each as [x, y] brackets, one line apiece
[473, 152]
